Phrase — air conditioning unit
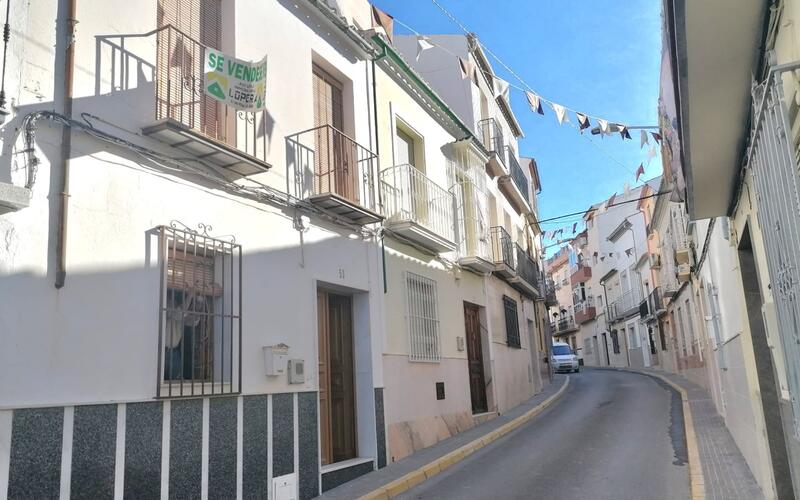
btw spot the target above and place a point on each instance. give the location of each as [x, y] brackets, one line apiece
[684, 272]
[655, 261]
[683, 256]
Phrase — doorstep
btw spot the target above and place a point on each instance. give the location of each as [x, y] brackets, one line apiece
[405, 473]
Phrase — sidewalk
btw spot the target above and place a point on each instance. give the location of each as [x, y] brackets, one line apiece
[405, 473]
[726, 475]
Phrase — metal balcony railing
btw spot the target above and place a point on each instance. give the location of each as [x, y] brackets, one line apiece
[502, 247]
[650, 306]
[491, 135]
[517, 175]
[563, 324]
[527, 268]
[409, 195]
[180, 96]
[325, 161]
[474, 232]
[624, 306]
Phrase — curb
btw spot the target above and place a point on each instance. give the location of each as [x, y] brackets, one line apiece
[697, 485]
[427, 471]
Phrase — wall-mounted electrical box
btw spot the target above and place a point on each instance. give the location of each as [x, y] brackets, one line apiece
[297, 371]
[460, 343]
[275, 359]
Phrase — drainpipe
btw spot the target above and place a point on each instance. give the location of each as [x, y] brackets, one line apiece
[377, 153]
[66, 147]
[6, 38]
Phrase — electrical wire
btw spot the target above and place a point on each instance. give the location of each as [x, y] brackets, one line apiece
[593, 209]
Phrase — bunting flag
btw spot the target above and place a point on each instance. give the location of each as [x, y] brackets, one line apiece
[423, 44]
[623, 132]
[656, 137]
[645, 139]
[610, 254]
[639, 171]
[560, 232]
[651, 154]
[467, 69]
[603, 126]
[501, 87]
[574, 227]
[535, 102]
[594, 254]
[602, 258]
[561, 112]
[383, 20]
[583, 121]
[628, 252]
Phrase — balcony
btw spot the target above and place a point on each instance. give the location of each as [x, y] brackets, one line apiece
[585, 311]
[474, 250]
[333, 172]
[581, 275]
[625, 306]
[550, 299]
[502, 252]
[527, 277]
[490, 134]
[563, 326]
[417, 208]
[653, 306]
[515, 185]
[185, 117]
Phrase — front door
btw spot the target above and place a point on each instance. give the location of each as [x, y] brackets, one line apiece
[477, 386]
[336, 388]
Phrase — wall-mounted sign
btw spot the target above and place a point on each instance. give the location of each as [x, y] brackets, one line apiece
[239, 84]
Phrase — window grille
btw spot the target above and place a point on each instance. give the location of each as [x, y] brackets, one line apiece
[615, 341]
[422, 318]
[200, 310]
[512, 322]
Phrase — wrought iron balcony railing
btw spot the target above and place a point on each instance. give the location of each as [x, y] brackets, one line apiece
[410, 196]
[527, 268]
[517, 175]
[325, 163]
[625, 306]
[502, 247]
[563, 325]
[491, 136]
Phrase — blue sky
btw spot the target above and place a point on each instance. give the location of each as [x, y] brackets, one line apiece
[601, 57]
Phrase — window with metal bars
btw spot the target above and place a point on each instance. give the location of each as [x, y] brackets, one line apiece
[199, 314]
[512, 322]
[422, 318]
[615, 341]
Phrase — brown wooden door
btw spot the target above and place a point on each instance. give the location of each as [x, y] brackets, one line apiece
[477, 385]
[336, 378]
[336, 156]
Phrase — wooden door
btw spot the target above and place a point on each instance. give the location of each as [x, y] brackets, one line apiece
[336, 378]
[477, 385]
[336, 156]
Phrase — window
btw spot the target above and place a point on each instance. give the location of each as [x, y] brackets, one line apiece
[512, 322]
[199, 324]
[422, 312]
[633, 338]
[615, 341]
[683, 331]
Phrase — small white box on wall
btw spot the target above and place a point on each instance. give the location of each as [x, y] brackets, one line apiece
[297, 371]
[284, 487]
[275, 359]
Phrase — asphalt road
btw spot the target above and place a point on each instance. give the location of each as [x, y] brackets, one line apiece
[612, 435]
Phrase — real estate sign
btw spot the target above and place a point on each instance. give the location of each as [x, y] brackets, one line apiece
[239, 84]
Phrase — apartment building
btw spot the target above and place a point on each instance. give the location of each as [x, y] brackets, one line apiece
[734, 140]
[461, 343]
[590, 332]
[562, 314]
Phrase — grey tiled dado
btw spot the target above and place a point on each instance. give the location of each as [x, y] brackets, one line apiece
[143, 424]
[307, 445]
[254, 447]
[380, 427]
[222, 414]
[282, 434]
[35, 461]
[185, 448]
[94, 445]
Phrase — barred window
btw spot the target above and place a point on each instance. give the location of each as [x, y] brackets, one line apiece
[422, 318]
[512, 322]
[615, 341]
[199, 314]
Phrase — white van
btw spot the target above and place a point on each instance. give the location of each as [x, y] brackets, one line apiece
[563, 359]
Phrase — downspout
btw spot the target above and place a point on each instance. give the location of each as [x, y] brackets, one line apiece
[66, 147]
[377, 153]
[6, 38]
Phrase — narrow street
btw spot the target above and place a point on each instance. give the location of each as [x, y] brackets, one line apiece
[573, 449]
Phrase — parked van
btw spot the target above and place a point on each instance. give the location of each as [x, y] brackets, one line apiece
[564, 359]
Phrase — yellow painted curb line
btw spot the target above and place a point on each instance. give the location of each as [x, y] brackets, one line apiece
[697, 488]
[427, 471]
